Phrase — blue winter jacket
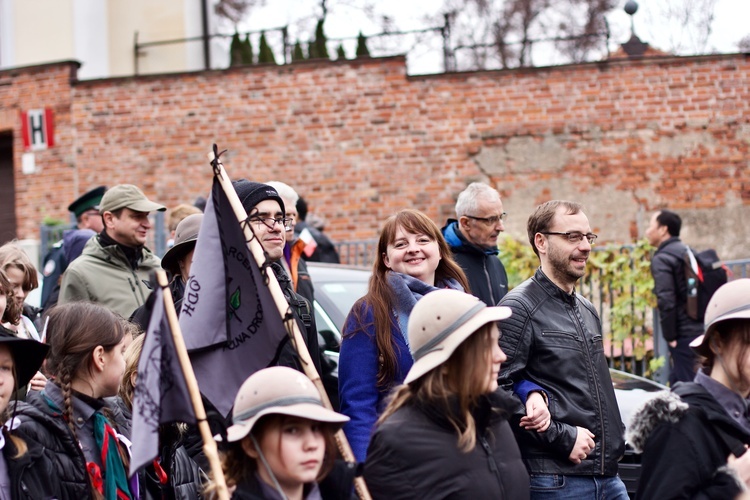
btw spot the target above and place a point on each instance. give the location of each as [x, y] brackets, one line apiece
[361, 398]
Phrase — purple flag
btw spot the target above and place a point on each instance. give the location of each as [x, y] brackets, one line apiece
[161, 394]
[230, 322]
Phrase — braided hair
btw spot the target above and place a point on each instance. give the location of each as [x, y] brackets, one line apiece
[73, 332]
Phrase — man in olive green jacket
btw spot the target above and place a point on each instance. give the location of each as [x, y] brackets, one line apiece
[114, 264]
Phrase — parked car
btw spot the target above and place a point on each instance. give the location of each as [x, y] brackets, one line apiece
[338, 287]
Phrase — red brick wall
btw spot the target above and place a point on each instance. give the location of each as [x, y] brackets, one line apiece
[361, 139]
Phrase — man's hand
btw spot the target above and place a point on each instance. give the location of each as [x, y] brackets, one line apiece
[537, 416]
[38, 381]
[583, 445]
[672, 344]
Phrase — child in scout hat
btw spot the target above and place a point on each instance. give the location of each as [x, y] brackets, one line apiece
[20, 359]
[281, 442]
[694, 437]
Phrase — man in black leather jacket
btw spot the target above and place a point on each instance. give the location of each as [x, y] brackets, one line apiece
[670, 288]
[554, 339]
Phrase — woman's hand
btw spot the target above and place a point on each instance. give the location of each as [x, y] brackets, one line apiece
[741, 466]
[38, 381]
[537, 416]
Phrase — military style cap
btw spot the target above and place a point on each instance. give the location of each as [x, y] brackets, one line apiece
[128, 196]
[87, 201]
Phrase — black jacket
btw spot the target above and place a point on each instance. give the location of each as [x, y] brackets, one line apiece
[68, 470]
[670, 288]
[183, 473]
[486, 274]
[325, 251]
[303, 313]
[30, 473]
[415, 454]
[554, 340]
[685, 437]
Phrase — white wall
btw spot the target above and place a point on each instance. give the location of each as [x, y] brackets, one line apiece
[90, 38]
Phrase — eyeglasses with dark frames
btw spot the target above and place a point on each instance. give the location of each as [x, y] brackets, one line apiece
[270, 222]
[575, 236]
[490, 221]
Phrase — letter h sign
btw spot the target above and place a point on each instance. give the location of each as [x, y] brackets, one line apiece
[37, 129]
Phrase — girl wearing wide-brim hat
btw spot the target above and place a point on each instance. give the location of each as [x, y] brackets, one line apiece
[694, 437]
[281, 441]
[22, 462]
[445, 433]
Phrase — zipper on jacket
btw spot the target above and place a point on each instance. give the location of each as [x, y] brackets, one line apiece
[493, 465]
[489, 282]
[581, 324]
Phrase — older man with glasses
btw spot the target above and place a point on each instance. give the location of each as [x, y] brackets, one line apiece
[473, 241]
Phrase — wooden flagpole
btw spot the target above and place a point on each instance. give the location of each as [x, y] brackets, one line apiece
[278, 296]
[209, 444]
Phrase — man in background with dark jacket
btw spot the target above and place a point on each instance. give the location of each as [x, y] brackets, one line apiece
[670, 288]
[473, 241]
[553, 340]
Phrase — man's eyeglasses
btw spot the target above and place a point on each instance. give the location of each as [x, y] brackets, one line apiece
[270, 222]
[490, 221]
[576, 236]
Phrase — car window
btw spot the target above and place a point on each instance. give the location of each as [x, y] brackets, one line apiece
[343, 295]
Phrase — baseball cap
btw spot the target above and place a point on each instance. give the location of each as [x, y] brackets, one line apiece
[128, 196]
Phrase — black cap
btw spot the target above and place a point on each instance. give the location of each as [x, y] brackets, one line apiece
[28, 355]
[88, 201]
[251, 193]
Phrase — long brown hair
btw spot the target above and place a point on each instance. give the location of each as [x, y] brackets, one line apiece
[11, 255]
[12, 312]
[73, 332]
[380, 295]
[463, 377]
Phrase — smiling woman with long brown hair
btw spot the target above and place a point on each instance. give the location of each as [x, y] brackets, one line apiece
[412, 260]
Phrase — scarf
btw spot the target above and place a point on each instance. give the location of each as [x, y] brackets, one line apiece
[116, 486]
[111, 480]
[407, 290]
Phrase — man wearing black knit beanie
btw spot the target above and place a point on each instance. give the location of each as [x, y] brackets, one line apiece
[266, 213]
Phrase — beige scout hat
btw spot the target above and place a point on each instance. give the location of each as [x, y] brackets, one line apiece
[128, 196]
[185, 238]
[277, 390]
[731, 301]
[438, 324]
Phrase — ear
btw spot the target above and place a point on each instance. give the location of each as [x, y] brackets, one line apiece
[541, 243]
[386, 260]
[463, 222]
[249, 447]
[98, 357]
[133, 378]
[108, 217]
